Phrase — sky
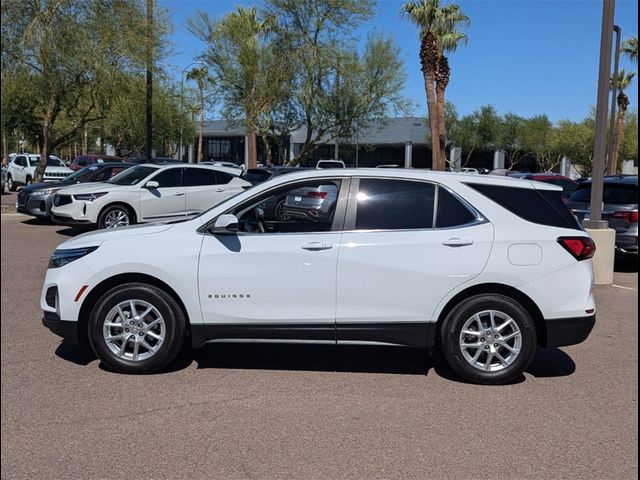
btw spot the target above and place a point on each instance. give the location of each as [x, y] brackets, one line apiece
[528, 57]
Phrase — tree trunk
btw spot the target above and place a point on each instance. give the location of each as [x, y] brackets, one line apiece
[5, 148]
[252, 161]
[44, 152]
[436, 160]
[267, 150]
[442, 127]
[201, 137]
[617, 139]
[85, 142]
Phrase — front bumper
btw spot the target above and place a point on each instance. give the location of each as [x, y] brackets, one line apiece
[561, 332]
[34, 205]
[70, 222]
[69, 331]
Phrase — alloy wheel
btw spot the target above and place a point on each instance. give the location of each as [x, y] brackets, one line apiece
[134, 330]
[116, 218]
[490, 341]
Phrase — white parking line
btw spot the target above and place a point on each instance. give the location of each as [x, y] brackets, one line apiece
[625, 288]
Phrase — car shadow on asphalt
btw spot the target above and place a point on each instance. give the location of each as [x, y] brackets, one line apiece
[548, 362]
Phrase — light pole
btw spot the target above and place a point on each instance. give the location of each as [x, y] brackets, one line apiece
[600, 147]
[182, 99]
[614, 92]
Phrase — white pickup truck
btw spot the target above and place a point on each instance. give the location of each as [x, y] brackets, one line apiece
[22, 167]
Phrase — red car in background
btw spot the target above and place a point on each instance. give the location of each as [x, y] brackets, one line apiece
[82, 161]
[568, 186]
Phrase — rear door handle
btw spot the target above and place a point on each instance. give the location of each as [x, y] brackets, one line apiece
[179, 194]
[219, 189]
[457, 242]
[315, 246]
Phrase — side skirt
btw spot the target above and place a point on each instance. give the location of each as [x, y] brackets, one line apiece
[420, 334]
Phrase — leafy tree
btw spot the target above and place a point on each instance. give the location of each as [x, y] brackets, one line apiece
[629, 142]
[575, 140]
[235, 55]
[478, 131]
[624, 82]
[538, 138]
[72, 49]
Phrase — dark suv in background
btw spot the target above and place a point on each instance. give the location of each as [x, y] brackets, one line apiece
[620, 199]
[86, 160]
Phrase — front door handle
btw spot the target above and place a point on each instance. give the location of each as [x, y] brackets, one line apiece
[219, 189]
[457, 242]
[179, 194]
[315, 246]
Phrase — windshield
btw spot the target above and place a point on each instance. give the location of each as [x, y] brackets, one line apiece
[132, 175]
[52, 162]
[83, 175]
[613, 193]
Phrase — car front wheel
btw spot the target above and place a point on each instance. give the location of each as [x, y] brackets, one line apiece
[115, 216]
[10, 184]
[136, 328]
[489, 339]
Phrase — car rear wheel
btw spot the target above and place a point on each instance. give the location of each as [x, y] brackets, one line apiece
[136, 328]
[489, 339]
[115, 216]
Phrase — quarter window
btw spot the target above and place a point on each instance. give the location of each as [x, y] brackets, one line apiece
[451, 211]
[384, 204]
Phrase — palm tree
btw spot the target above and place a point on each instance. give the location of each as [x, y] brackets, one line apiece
[424, 14]
[438, 35]
[624, 81]
[630, 48]
[451, 18]
[203, 80]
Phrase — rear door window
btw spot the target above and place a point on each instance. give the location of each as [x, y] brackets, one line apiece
[389, 204]
[197, 177]
[451, 212]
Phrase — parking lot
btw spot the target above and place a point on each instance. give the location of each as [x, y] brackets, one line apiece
[258, 411]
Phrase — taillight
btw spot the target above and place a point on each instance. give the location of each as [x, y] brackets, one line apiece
[630, 216]
[320, 195]
[582, 248]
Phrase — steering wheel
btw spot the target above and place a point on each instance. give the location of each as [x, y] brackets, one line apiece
[254, 223]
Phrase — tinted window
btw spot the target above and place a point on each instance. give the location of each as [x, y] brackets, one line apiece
[102, 175]
[613, 193]
[256, 176]
[224, 178]
[200, 176]
[81, 161]
[394, 205]
[544, 207]
[451, 211]
[308, 207]
[21, 161]
[169, 178]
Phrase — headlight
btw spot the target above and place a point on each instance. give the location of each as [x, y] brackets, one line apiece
[63, 256]
[46, 191]
[89, 197]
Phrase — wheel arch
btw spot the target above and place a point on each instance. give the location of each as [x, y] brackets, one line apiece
[103, 287]
[121, 204]
[500, 289]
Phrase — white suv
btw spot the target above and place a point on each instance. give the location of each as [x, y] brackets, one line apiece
[485, 267]
[146, 193]
[22, 167]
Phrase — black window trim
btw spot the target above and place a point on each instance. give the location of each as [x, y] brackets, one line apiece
[352, 205]
[337, 226]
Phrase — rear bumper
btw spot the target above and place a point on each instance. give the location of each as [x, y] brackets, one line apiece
[65, 329]
[561, 332]
[627, 244]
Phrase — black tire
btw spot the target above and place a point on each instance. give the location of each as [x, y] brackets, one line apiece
[174, 319]
[28, 180]
[452, 328]
[102, 218]
[10, 183]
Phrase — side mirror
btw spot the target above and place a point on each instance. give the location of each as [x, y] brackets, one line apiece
[152, 185]
[224, 225]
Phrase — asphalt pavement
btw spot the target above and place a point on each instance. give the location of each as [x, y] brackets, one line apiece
[307, 412]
